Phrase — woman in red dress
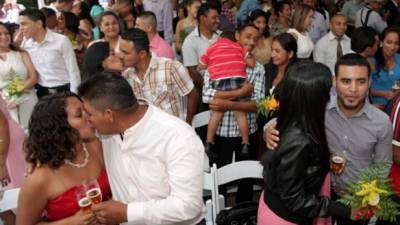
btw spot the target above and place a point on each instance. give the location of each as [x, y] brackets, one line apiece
[63, 142]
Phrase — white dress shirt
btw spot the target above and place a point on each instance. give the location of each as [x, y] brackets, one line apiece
[164, 14]
[325, 50]
[54, 60]
[157, 169]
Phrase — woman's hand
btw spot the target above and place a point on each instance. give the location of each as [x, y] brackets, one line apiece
[83, 218]
[271, 136]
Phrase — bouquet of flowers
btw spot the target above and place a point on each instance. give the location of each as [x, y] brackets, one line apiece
[12, 93]
[371, 195]
[267, 105]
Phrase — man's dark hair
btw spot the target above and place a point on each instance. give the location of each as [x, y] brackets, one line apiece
[34, 15]
[204, 9]
[362, 38]
[48, 12]
[352, 59]
[108, 90]
[139, 39]
[246, 25]
[149, 17]
[127, 2]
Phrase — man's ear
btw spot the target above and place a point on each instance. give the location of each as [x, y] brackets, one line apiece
[109, 115]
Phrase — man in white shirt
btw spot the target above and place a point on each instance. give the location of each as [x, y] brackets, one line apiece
[369, 16]
[334, 44]
[153, 160]
[51, 53]
[197, 42]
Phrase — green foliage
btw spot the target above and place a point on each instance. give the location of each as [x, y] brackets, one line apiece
[386, 209]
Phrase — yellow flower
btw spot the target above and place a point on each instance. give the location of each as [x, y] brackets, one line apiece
[271, 103]
[370, 193]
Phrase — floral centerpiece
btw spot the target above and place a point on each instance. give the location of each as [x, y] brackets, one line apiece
[12, 93]
[267, 105]
[371, 194]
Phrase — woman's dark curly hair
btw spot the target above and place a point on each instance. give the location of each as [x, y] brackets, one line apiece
[51, 139]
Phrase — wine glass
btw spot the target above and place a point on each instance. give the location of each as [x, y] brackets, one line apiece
[93, 191]
[83, 201]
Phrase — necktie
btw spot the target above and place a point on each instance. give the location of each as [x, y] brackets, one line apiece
[339, 51]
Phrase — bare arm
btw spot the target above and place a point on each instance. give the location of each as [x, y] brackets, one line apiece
[193, 97]
[32, 78]
[177, 36]
[386, 94]
[223, 105]
[33, 198]
[196, 76]
[245, 90]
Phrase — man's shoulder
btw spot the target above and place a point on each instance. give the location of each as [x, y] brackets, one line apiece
[377, 114]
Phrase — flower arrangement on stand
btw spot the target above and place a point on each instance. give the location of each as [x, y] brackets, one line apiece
[371, 194]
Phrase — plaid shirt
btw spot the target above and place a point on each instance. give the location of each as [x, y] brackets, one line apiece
[228, 126]
[163, 84]
[229, 15]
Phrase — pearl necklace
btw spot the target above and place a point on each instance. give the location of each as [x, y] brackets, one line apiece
[85, 161]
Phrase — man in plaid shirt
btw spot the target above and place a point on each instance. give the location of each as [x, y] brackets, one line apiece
[161, 81]
[228, 137]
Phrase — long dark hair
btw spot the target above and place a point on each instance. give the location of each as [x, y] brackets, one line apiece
[10, 31]
[51, 138]
[257, 13]
[71, 22]
[303, 99]
[379, 58]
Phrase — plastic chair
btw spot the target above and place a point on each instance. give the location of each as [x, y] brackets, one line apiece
[9, 199]
[235, 171]
[209, 185]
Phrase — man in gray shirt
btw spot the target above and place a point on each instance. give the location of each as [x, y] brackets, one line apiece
[353, 127]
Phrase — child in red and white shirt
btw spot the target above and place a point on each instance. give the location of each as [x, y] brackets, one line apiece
[226, 62]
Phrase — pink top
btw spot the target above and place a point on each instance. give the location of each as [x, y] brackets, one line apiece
[225, 59]
[161, 47]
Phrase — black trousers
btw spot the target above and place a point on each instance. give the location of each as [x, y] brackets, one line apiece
[343, 221]
[224, 148]
[42, 91]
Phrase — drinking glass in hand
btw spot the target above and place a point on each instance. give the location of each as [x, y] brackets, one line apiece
[338, 162]
[93, 191]
[83, 201]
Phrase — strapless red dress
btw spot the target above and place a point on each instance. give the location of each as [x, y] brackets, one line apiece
[66, 205]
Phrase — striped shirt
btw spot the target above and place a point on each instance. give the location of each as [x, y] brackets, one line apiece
[225, 59]
[228, 126]
[163, 84]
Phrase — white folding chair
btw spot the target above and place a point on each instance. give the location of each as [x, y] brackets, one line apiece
[201, 119]
[209, 185]
[9, 200]
[235, 171]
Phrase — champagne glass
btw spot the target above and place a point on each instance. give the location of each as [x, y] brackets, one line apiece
[83, 201]
[93, 191]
